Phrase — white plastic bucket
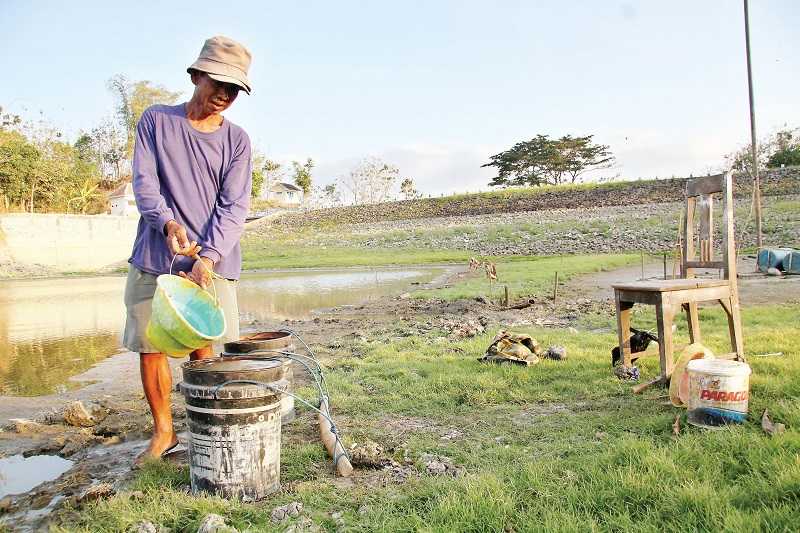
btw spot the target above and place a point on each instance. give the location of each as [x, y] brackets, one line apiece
[719, 390]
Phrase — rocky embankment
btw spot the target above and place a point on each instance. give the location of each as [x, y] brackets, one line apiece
[777, 182]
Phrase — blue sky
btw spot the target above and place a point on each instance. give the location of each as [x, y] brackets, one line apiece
[434, 87]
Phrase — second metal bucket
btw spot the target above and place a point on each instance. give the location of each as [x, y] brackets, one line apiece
[234, 425]
[269, 344]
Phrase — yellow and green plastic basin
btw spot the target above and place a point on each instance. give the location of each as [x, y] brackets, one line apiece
[184, 317]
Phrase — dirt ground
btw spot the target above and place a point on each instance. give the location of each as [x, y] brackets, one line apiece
[104, 452]
[754, 287]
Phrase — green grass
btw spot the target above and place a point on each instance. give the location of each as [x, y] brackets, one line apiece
[529, 276]
[558, 446]
[295, 255]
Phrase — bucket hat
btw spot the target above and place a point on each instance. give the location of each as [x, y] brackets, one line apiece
[225, 60]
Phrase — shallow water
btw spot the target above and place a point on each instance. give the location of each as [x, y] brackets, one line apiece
[53, 329]
[19, 474]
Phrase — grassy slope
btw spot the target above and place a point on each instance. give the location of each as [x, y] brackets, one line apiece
[561, 446]
[330, 245]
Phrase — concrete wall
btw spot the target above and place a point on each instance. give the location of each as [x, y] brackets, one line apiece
[66, 243]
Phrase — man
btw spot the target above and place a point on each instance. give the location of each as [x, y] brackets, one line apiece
[192, 180]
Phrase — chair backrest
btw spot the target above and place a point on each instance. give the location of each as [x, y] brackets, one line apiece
[698, 248]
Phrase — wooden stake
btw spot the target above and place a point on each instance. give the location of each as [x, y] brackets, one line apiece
[506, 288]
[642, 265]
[555, 288]
[665, 265]
[334, 447]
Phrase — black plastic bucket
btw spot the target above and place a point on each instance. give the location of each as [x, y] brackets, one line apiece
[234, 428]
[269, 344]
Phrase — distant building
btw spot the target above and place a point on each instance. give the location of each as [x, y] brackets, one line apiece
[283, 194]
[122, 200]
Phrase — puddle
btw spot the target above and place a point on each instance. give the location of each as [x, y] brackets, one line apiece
[20, 474]
[53, 329]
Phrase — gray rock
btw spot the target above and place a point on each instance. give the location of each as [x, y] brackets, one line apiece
[144, 526]
[25, 426]
[214, 523]
[557, 353]
[439, 465]
[76, 414]
[99, 491]
[290, 510]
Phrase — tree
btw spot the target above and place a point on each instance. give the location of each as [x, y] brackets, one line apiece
[408, 190]
[273, 173]
[542, 161]
[18, 161]
[257, 165]
[132, 100]
[371, 181]
[87, 194]
[331, 196]
[785, 157]
[786, 150]
[302, 174]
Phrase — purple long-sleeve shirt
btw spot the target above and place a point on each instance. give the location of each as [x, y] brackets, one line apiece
[201, 180]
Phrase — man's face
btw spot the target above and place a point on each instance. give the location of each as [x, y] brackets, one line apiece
[215, 96]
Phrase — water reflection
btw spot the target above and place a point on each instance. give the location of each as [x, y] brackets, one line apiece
[53, 329]
[293, 295]
[19, 474]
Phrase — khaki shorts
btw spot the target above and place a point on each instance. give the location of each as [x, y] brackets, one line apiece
[139, 290]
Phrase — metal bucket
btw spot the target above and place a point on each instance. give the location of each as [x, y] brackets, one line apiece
[270, 341]
[234, 429]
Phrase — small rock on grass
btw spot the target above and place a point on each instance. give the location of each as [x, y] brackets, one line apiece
[439, 465]
[214, 523]
[770, 427]
[368, 454]
[144, 526]
[304, 524]
[556, 353]
[290, 510]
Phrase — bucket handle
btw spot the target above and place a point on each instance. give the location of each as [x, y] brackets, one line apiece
[214, 275]
[323, 398]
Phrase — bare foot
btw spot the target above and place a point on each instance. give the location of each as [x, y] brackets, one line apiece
[159, 445]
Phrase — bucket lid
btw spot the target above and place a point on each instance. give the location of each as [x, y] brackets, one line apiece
[265, 340]
[212, 372]
[720, 367]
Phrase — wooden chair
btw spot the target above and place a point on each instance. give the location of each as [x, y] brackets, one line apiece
[669, 296]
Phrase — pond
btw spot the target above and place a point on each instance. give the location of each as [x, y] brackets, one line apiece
[53, 329]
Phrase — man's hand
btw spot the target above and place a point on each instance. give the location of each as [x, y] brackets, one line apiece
[201, 272]
[178, 240]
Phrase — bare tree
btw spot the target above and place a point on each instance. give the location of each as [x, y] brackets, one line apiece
[372, 181]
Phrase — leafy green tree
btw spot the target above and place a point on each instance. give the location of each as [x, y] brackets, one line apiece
[302, 174]
[87, 194]
[542, 161]
[18, 163]
[786, 151]
[785, 157]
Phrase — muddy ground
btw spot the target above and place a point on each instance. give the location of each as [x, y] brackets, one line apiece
[103, 452]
